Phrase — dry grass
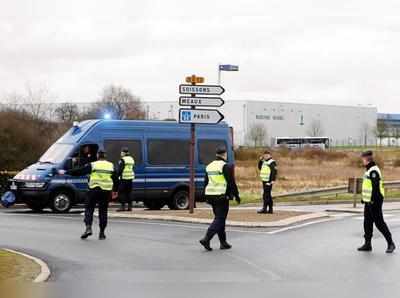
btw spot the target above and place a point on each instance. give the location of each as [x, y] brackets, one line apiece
[311, 169]
[16, 268]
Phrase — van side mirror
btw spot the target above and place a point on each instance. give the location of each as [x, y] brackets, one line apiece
[68, 164]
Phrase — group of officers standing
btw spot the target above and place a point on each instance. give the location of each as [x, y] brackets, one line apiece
[106, 182]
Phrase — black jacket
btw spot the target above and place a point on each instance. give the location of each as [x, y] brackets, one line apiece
[377, 196]
[87, 170]
[231, 189]
[273, 167]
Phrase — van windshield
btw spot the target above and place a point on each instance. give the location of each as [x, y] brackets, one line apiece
[56, 153]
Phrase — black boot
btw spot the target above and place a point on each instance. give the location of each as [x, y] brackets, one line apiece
[102, 235]
[206, 244]
[225, 245]
[391, 248]
[88, 232]
[222, 239]
[366, 247]
[129, 206]
[122, 209]
[262, 211]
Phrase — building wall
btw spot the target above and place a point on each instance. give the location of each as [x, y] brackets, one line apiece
[344, 125]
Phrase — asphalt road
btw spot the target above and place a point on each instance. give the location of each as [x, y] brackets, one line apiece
[147, 259]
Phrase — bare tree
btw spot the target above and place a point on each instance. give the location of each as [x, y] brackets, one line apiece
[119, 102]
[67, 112]
[34, 102]
[257, 134]
[315, 128]
[396, 134]
[381, 131]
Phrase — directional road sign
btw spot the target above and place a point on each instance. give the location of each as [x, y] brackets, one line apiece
[200, 116]
[201, 101]
[201, 89]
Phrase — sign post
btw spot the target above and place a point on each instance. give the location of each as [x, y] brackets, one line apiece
[195, 116]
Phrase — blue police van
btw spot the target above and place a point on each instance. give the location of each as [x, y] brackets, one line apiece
[160, 149]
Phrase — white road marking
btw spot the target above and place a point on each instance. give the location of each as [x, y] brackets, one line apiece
[271, 274]
[300, 225]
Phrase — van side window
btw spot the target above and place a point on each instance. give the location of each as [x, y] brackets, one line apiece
[113, 148]
[168, 152]
[207, 150]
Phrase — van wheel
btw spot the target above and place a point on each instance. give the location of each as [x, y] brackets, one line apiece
[35, 207]
[180, 200]
[61, 202]
[154, 204]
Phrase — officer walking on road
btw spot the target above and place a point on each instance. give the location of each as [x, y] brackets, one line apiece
[103, 184]
[268, 173]
[126, 175]
[220, 187]
[372, 196]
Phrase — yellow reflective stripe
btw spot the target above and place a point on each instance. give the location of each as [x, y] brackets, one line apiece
[101, 175]
[265, 172]
[367, 184]
[216, 180]
[128, 173]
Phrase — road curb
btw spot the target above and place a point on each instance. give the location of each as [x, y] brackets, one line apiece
[356, 211]
[275, 224]
[44, 274]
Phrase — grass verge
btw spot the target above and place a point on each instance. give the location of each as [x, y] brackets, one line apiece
[16, 268]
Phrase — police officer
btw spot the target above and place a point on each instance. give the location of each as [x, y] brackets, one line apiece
[103, 183]
[373, 196]
[126, 175]
[268, 173]
[220, 187]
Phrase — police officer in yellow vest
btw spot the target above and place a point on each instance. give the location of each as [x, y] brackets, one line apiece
[372, 196]
[126, 175]
[103, 185]
[268, 173]
[220, 187]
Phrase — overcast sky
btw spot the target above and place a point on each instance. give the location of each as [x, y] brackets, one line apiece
[314, 51]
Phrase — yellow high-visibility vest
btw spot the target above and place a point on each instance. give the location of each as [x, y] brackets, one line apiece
[101, 175]
[217, 184]
[128, 172]
[265, 172]
[367, 185]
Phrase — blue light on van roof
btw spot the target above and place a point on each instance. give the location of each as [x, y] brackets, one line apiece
[107, 116]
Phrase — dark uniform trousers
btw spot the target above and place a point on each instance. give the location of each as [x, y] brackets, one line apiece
[124, 191]
[101, 198]
[267, 196]
[373, 214]
[220, 206]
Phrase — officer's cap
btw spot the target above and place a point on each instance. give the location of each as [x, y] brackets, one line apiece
[367, 153]
[125, 149]
[101, 153]
[220, 150]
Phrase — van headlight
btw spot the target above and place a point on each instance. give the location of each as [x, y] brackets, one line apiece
[34, 184]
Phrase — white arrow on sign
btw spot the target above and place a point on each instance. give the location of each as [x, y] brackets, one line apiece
[201, 89]
[200, 116]
[201, 101]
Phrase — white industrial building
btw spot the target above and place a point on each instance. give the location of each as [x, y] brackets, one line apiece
[343, 125]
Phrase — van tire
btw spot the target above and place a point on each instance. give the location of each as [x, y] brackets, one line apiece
[154, 204]
[180, 200]
[61, 201]
[35, 207]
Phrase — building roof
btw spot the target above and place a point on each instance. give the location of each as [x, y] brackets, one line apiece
[390, 117]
